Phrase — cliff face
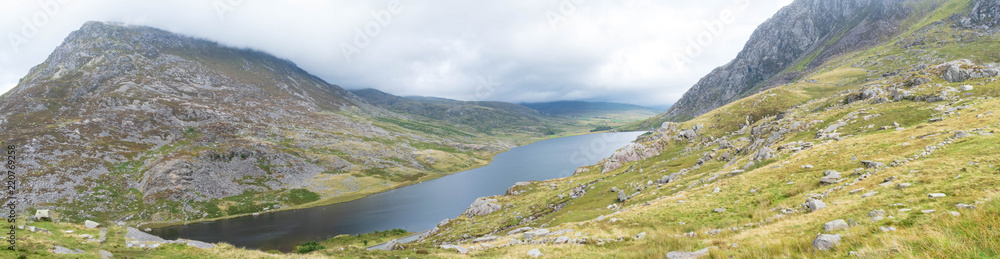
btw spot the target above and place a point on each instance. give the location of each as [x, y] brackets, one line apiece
[800, 36]
[152, 119]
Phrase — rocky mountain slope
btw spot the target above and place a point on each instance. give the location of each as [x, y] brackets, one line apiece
[176, 128]
[800, 37]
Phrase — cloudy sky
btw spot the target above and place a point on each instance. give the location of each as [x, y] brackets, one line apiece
[645, 52]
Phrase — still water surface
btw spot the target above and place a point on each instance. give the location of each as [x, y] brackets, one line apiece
[414, 208]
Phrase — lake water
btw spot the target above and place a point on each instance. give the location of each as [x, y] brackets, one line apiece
[414, 208]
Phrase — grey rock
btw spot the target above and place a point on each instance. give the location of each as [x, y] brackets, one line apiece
[105, 254]
[815, 205]
[961, 134]
[530, 235]
[534, 252]
[482, 207]
[519, 230]
[872, 164]
[91, 224]
[561, 240]
[687, 255]
[719, 210]
[903, 185]
[826, 242]
[63, 250]
[965, 206]
[837, 224]
[936, 195]
[622, 197]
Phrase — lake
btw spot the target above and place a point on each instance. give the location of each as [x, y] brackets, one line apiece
[415, 208]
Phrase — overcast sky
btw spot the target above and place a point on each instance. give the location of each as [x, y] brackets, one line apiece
[646, 52]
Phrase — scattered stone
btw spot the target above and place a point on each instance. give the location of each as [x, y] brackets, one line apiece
[687, 255]
[869, 194]
[955, 213]
[965, 88]
[965, 206]
[903, 185]
[640, 235]
[534, 253]
[936, 195]
[927, 211]
[825, 242]
[887, 229]
[63, 250]
[522, 230]
[105, 254]
[807, 166]
[535, 233]
[837, 224]
[561, 240]
[719, 210]
[91, 224]
[961, 134]
[876, 215]
[716, 190]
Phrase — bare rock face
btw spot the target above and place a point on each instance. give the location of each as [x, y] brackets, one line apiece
[985, 15]
[482, 207]
[796, 31]
[630, 153]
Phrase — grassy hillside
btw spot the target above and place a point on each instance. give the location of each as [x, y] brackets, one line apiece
[612, 114]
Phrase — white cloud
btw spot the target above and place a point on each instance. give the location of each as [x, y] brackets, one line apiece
[623, 51]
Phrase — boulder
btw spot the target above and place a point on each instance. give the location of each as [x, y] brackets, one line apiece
[872, 164]
[762, 154]
[91, 224]
[903, 185]
[482, 207]
[105, 254]
[687, 255]
[815, 205]
[965, 88]
[825, 242]
[961, 134]
[837, 224]
[561, 240]
[622, 197]
[534, 253]
[41, 215]
[830, 177]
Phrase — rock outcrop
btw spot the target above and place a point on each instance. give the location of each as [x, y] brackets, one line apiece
[823, 28]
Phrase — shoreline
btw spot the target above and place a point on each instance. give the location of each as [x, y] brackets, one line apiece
[355, 195]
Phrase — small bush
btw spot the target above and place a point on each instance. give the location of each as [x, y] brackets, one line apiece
[308, 247]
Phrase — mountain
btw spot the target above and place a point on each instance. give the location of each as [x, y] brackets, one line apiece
[592, 109]
[154, 120]
[800, 37]
[485, 117]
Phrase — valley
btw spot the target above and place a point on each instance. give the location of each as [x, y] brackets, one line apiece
[844, 128]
